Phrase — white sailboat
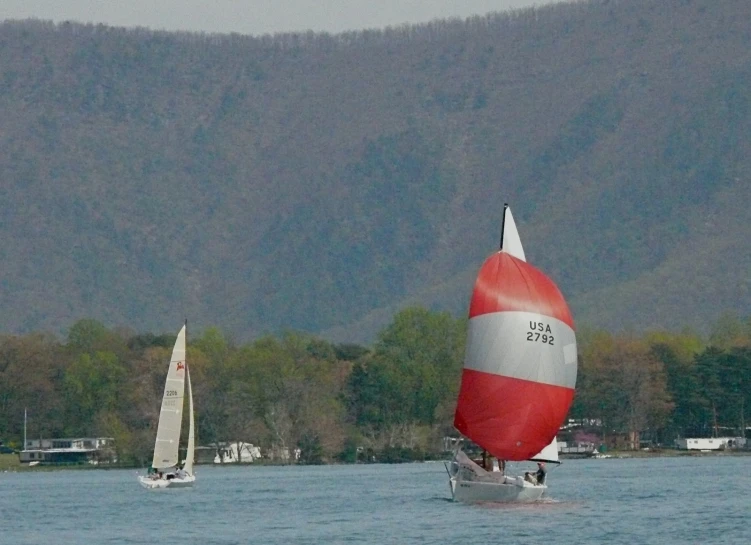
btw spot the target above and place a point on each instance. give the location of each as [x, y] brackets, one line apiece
[165, 471]
[518, 378]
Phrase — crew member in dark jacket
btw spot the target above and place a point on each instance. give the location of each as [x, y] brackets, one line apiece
[538, 477]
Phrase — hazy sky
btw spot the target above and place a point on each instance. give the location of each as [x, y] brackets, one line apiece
[253, 16]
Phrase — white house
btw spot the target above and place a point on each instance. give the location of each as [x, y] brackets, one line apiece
[575, 448]
[231, 453]
[711, 443]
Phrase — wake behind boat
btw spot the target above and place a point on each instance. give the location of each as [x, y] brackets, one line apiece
[518, 378]
[165, 471]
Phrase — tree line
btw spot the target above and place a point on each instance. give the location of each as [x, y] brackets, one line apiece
[392, 400]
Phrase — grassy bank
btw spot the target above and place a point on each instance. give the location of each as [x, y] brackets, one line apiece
[9, 462]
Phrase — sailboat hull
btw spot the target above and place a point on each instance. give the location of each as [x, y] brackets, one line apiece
[471, 483]
[158, 484]
[510, 490]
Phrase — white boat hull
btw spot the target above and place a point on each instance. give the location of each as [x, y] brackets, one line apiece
[157, 484]
[507, 490]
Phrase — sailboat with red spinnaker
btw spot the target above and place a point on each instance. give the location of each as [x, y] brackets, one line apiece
[519, 375]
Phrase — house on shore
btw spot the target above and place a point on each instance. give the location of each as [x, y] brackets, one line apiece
[80, 450]
[711, 443]
[229, 453]
[576, 448]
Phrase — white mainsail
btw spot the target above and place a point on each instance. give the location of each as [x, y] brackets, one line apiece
[548, 454]
[510, 241]
[171, 414]
[191, 432]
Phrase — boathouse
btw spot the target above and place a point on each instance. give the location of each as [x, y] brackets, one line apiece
[79, 450]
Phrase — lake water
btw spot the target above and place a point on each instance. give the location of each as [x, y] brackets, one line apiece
[686, 500]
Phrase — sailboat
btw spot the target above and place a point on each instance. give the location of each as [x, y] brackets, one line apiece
[518, 378]
[165, 471]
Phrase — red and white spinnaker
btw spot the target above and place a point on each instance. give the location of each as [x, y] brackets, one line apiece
[521, 358]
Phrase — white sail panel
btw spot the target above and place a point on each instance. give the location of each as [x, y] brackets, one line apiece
[511, 243]
[171, 414]
[548, 454]
[522, 345]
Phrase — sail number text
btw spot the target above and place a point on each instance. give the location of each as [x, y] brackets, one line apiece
[171, 393]
[540, 332]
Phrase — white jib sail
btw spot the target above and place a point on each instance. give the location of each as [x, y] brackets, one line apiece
[170, 416]
[191, 432]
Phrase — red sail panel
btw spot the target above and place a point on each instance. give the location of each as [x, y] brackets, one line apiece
[506, 283]
[512, 419]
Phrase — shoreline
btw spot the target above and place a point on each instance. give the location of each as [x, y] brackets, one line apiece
[659, 453]
[10, 463]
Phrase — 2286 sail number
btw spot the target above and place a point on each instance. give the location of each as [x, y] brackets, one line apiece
[540, 332]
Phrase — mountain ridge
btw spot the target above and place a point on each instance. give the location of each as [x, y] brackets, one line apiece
[321, 183]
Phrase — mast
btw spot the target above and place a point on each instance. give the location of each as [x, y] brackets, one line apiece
[24, 428]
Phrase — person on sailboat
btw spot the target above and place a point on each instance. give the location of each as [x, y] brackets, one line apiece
[481, 460]
[538, 477]
[491, 466]
[487, 461]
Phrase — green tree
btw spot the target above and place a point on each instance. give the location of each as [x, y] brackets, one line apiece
[90, 336]
[287, 391]
[410, 379]
[214, 385]
[684, 389]
[709, 373]
[629, 387]
[737, 374]
[590, 400]
[725, 380]
[30, 371]
[729, 331]
[92, 384]
[678, 353]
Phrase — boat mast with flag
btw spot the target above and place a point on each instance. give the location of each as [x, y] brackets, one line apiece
[518, 378]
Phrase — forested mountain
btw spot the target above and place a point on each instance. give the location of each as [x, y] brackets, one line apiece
[321, 183]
